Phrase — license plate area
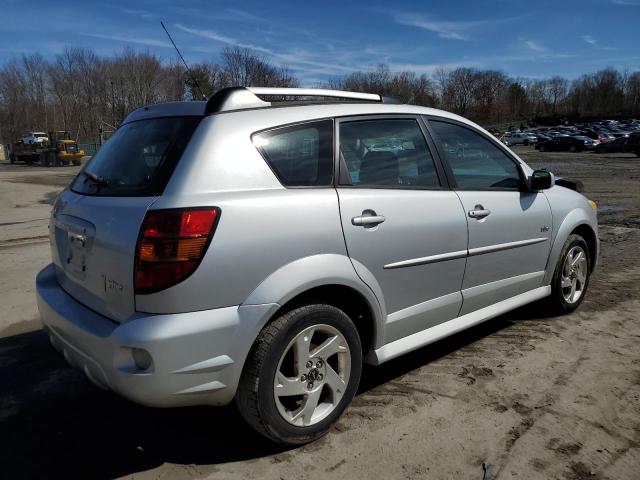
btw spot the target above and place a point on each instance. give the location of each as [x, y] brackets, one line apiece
[75, 240]
[76, 259]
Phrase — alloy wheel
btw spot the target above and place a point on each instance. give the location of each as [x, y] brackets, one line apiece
[574, 274]
[312, 375]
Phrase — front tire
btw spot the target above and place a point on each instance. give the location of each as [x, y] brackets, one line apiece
[571, 277]
[301, 373]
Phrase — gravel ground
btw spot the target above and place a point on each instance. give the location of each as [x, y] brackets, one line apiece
[521, 396]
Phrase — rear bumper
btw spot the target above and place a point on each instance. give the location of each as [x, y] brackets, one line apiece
[197, 357]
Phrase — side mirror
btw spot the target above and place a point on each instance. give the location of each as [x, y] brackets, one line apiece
[540, 180]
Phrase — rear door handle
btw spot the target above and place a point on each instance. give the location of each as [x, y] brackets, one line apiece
[368, 220]
[479, 212]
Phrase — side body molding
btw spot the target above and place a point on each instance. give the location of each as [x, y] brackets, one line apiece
[315, 271]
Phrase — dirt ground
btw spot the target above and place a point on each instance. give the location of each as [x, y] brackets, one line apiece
[522, 396]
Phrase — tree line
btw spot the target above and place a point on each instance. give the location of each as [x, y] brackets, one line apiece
[85, 93]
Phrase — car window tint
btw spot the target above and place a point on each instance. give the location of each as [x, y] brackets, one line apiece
[299, 155]
[139, 158]
[477, 163]
[386, 153]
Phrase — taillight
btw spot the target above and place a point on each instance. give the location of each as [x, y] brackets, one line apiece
[171, 245]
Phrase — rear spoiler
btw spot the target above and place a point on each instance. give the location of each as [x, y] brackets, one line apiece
[575, 185]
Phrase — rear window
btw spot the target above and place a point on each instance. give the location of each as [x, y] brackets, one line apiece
[138, 159]
[299, 155]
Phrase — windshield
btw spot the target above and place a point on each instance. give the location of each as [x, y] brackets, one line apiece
[138, 159]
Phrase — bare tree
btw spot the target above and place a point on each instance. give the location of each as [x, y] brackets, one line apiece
[406, 87]
[243, 67]
[80, 91]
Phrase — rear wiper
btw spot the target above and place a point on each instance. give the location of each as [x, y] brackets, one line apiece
[99, 180]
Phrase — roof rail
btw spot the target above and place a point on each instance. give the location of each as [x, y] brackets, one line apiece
[239, 98]
[315, 92]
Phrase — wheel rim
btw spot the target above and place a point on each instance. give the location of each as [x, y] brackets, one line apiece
[574, 274]
[312, 375]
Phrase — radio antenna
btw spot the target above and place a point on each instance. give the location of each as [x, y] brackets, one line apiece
[193, 78]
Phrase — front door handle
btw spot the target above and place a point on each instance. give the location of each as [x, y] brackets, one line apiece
[479, 212]
[368, 219]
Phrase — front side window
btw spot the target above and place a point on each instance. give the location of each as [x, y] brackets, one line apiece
[389, 153]
[476, 162]
[299, 155]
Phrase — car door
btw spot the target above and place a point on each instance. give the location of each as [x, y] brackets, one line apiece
[405, 230]
[509, 228]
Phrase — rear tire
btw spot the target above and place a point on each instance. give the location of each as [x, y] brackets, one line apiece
[293, 398]
[573, 149]
[571, 277]
[542, 148]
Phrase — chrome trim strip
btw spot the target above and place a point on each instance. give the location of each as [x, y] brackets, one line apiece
[441, 257]
[505, 246]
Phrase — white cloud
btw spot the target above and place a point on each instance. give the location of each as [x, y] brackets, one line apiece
[444, 29]
[211, 35]
[451, 30]
[430, 68]
[589, 39]
[635, 3]
[242, 15]
[151, 42]
[138, 13]
[300, 60]
[535, 46]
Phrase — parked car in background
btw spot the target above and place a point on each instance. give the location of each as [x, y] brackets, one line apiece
[566, 144]
[543, 137]
[240, 250]
[615, 146]
[518, 138]
[34, 138]
[594, 135]
[589, 143]
[633, 143]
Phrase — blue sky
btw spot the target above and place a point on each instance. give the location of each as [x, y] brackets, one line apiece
[320, 40]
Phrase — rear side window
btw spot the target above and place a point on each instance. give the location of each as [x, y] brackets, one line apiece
[299, 155]
[476, 162]
[138, 159]
[386, 153]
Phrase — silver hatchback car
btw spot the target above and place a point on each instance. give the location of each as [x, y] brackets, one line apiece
[259, 249]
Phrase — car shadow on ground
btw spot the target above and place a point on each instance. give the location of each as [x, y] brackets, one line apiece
[55, 424]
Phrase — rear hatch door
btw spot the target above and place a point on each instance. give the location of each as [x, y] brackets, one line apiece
[96, 222]
[93, 250]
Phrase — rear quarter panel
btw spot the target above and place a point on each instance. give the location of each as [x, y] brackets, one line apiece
[258, 233]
